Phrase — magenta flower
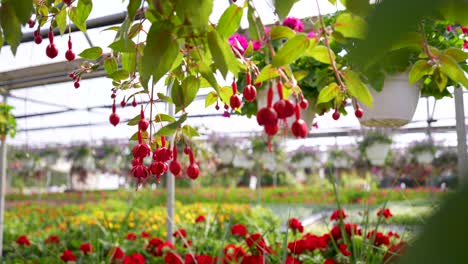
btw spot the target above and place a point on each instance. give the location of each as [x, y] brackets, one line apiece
[226, 114]
[238, 42]
[449, 28]
[464, 30]
[294, 23]
[465, 44]
[256, 45]
[311, 34]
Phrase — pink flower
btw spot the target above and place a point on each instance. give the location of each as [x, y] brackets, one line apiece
[238, 42]
[294, 23]
[256, 45]
[449, 28]
[465, 44]
[311, 34]
[226, 114]
[464, 29]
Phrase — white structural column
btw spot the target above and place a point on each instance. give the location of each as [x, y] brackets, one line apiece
[170, 181]
[3, 166]
[461, 136]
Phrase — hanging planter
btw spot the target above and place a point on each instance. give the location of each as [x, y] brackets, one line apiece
[375, 146]
[394, 106]
[424, 151]
[241, 161]
[226, 156]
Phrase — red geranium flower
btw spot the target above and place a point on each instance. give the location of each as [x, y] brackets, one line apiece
[232, 253]
[297, 247]
[117, 253]
[134, 259]
[329, 261]
[153, 246]
[145, 234]
[181, 233]
[252, 259]
[351, 229]
[131, 236]
[67, 255]
[384, 212]
[380, 239]
[187, 244]
[173, 258]
[344, 250]
[200, 219]
[292, 260]
[337, 214]
[258, 241]
[86, 248]
[239, 230]
[53, 239]
[163, 248]
[205, 259]
[393, 234]
[190, 259]
[296, 225]
[395, 251]
[23, 241]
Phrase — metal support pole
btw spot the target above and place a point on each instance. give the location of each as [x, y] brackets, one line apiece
[461, 136]
[3, 166]
[170, 181]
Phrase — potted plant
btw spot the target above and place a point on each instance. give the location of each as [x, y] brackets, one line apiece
[375, 147]
[423, 151]
[339, 158]
[305, 157]
[7, 121]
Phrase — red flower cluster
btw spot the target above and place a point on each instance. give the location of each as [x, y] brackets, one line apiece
[257, 241]
[336, 215]
[239, 230]
[380, 239]
[68, 255]
[384, 212]
[134, 259]
[23, 241]
[131, 236]
[179, 234]
[200, 219]
[86, 248]
[53, 239]
[296, 225]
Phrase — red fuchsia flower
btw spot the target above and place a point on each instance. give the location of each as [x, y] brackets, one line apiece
[239, 230]
[384, 212]
[233, 253]
[329, 261]
[238, 42]
[164, 247]
[131, 236]
[449, 28]
[393, 234]
[153, 245]
[179, 234]
[294, 23]
[173, 258]
[252, 259]
[337, 214]
[256, 45]
[68, 255]
[134, 259]
[86, 248]
[259, 243]
[395, 251]
[296, 225]
[380, 239]
[344, 250]
[200, 219]
[464, 29]
[53, 239]
[351, 229]
[23, 241]
[292, 260]
[145, 234]
[117, 253]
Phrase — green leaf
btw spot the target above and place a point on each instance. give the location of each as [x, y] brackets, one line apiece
[211, 98]
[79, 14]
[280, 32]
[225, 94]
[291, 51]
[132, 7]
[91, 53]
[128, 61]
[449, 66]
[208, 75]
[320, 53]
[299, 75]
[172, 127]
[282, 7]
[457, 54]
[419, 69]
[144, 136]
[351, 26]
[119, 75]
[410, 39]
[110, 65]
[11, 26]
[134, 30]
[160, 50]
[61, 20]
[190, 87]
[268, 72]
[190, 131]
[256, 30]
[134, 121]
[455, 11]
[163, 118]
[223, 57]
[249, 50]
[123, 45]
[356, 87]
[229, 21]
[358, 7]
[22, 9]
[440, 79]
[194, 12]
[328, 93]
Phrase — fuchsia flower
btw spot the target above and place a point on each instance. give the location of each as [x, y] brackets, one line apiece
[294, 23]
[311, 34]
[449, 28]
[238, 42]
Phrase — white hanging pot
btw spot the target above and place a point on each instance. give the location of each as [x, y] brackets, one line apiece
[394, 106]
[424, 157]
[340, 162]
[242, 162]
[377, 153]
[307, 115]
[306, 162]
[226, 156]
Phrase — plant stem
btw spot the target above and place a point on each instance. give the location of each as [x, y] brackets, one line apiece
[151, 113]
[425, 44]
